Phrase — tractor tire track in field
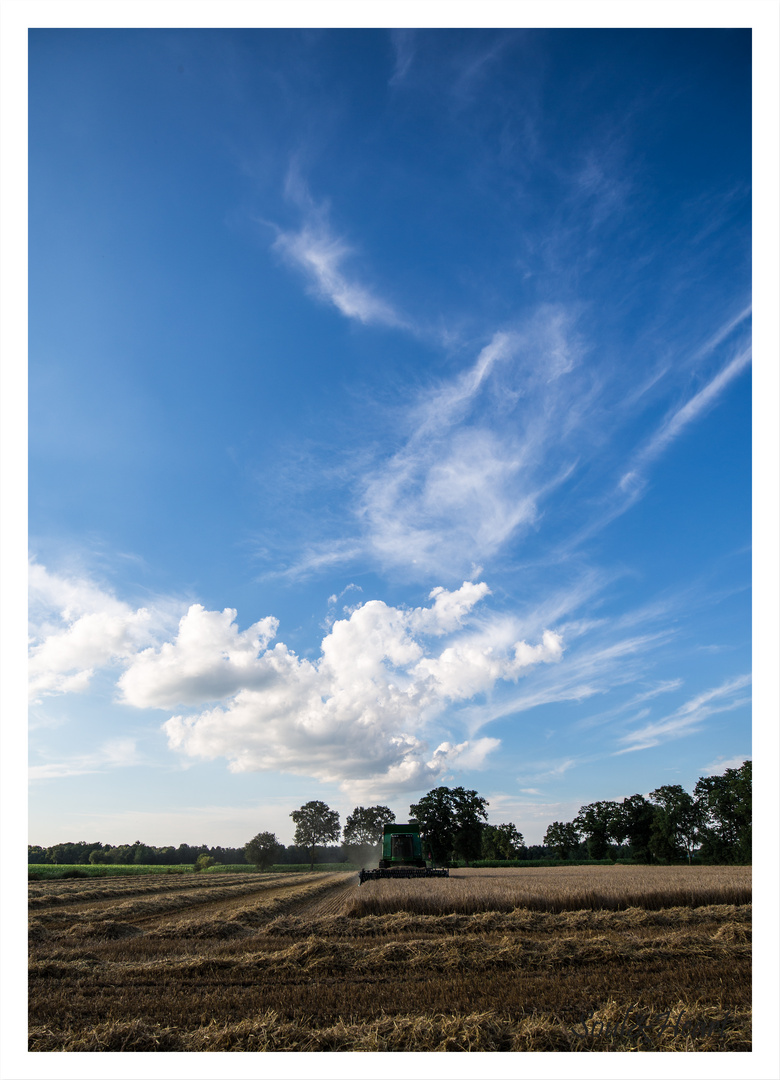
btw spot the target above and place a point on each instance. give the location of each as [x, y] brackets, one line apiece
[148, 911]
[226, 907]
[82, 895]
[333, 903]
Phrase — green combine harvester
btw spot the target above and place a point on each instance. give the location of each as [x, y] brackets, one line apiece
[402, 856]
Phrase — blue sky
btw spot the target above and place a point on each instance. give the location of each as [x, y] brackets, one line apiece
[389, 419]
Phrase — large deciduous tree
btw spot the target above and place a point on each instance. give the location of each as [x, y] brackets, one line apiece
[726, 806]
[452, 820]
[676, 822]
[435, 814]
[262, 850]
[501, 841]
[563, 837]
[600, 822]
[635, 824]
[315, 823]
[365, 826]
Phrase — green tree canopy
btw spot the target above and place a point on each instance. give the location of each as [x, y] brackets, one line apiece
[563, 837]
[635, 824]
[676, 822]
[501, 841]
[452, 820]
[600, 822]
[315, 823]
[726, 807]
[365, 825]
[262, 850]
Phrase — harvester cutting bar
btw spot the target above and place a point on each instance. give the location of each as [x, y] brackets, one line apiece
[402, 872]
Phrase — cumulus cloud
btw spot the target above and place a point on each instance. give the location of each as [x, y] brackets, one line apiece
[368, 713]
[209, 660]
[76, 628]
[359, 715]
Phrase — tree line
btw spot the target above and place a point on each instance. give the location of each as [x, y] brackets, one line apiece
[139, 854]
[714, 824]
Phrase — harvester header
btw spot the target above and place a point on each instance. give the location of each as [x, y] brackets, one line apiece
[403, 855]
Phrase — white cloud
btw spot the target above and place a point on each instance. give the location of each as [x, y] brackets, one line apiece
[368, 713]
[665, 687]
[404, 49]
[330, 617]
[473, 665]
[115, 753]
[673, 426]
[209, 660]
[723, 332]
[532, 814]
[481, 452]
[689, 717]
[720, 764]
[67, 597]
[359, 715]
[321, 255]
[548, 770]
[602, 666]
[76, 627]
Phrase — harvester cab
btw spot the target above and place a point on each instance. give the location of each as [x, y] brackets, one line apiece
[402, 855]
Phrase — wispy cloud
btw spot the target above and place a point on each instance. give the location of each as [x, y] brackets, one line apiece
[588, 672]
[689, 717]
[323, 256]
[117, 753]
[666, 687]
[618, 497]
[673, 426]
[403, 42]
[483, 450]
[720, 764]
[723, 332]
[316, 559]
[474, 65]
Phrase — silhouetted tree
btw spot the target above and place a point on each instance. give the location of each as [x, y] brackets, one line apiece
[563, 837]
[452, 820]
[315, 823]
[726, 807]
[675, 824]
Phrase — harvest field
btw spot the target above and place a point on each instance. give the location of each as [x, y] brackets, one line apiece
[48, 871]
[552, 959]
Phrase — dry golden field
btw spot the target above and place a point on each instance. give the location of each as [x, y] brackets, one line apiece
[552, 959]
